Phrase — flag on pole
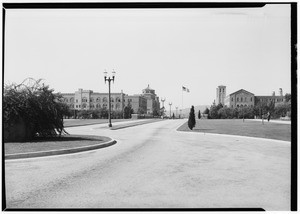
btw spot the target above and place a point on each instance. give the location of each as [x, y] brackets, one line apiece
[185, 89]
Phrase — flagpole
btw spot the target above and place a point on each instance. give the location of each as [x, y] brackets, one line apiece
[182, 101]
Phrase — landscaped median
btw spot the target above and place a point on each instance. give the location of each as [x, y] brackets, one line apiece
[55, 146]
[249, 128]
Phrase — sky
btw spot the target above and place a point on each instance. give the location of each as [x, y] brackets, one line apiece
[165, 48]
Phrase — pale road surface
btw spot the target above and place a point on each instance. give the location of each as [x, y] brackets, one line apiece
[155, 166]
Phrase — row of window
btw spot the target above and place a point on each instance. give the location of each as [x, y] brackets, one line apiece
[242, 100]
[265, 100]
[241, 106]
[85, 100]
[118, 106]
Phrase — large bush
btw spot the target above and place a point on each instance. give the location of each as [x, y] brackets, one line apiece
[32, 109]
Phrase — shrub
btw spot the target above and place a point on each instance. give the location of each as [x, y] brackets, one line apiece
[36, 107]
[192, 121]
[199, 114]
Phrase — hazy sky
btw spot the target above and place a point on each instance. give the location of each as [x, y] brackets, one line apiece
[166, 48]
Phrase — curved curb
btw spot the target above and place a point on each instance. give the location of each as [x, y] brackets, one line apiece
[60, 152]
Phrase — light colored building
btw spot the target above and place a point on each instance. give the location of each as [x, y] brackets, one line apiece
[137, 102]
[145, 103]
[221, 94]
[153, 103]
[88, 100]
[240, 98]
[268, 99]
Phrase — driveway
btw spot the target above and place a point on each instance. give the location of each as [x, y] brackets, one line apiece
[155, 166]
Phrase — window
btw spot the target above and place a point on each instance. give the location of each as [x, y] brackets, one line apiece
[98, 106]
[251, 99]
[118, 99]
[245, 99]
[241, 99]
[104, 105]
[231, 99]
[66, 100]
[92, 100]
[104, 99]
[76, 101]
[111, 99]
[237, 99]
[231, 106]
[118, 106]
[84, 100]
[98, 99]
[71, 100]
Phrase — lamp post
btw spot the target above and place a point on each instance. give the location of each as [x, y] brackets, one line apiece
[109, 79]
[170, 108]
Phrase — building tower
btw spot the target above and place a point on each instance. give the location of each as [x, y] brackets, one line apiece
[221, 94]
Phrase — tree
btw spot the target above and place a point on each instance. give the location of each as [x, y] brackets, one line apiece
[128, 111]
[34, 108]
[213, 112]
[192, 121]
[206, 111]
[287, 97]
[282, 109]
[199, 114]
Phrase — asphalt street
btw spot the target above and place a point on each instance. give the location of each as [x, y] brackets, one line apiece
[155, 166]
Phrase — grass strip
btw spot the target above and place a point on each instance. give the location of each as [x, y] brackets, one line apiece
[247, 128]
[54, 143]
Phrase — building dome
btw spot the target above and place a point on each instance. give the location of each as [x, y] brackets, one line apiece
[148, 90]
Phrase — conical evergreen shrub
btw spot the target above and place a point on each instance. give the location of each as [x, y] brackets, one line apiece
[192, 120]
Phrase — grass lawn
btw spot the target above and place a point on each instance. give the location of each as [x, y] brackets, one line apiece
[54, 143]
[249, 128]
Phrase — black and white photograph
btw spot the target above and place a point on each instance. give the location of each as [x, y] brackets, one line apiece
[149, 106]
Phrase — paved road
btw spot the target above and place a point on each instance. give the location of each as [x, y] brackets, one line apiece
[154, 166]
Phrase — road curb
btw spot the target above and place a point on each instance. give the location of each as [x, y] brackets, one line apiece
[59, 152]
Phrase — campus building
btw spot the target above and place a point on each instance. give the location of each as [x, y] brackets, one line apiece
[242, 98]
[152, 100]
[145, 103]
